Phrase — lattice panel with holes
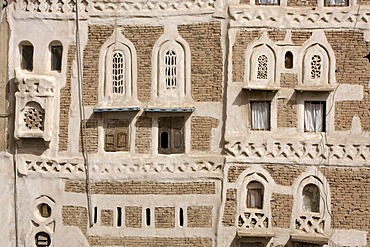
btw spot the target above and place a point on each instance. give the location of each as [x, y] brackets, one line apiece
[34, 119]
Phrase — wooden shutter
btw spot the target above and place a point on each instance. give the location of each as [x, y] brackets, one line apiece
[117, 135]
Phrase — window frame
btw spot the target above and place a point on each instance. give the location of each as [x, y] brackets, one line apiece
[172, 130]
[323, 115]
[56, 64]
[115, 132]
[253, 102]
[255, 186]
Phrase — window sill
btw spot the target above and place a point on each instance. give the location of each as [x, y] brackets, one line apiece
[314, 88]
[313, 238]
[255, 233]
[262, 88]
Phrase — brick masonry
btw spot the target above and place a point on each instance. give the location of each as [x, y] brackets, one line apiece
[65, 101]
[142, 188]
[200, 216]
[143, 135]
[206, 60]
[281, 210]
[287, 113]
[164, 217]
[150, 241]
[201, 132]
[106, 217]
[351, 68]
[75, 216]
[228, 218]
[143, 38]
[91, 135]
[133, 216]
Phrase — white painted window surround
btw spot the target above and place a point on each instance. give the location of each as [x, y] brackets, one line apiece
[117, 72]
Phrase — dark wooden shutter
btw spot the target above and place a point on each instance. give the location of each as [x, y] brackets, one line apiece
[117, 135]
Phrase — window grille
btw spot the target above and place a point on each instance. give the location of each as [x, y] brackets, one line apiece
[118, 72]
[170, 63]
[316, 67]
[262, 67]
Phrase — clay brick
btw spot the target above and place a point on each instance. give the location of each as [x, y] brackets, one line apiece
[201, 130]
[228, 218]
[284, 174]
[200, 216]
[164, 217]
[75, 216]
[287, 113]
[133, 216]
[91, 135]
[281, 210]
[150, 241]
[142, 188]
[143, 135]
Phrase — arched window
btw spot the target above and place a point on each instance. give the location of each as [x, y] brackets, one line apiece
[118, 72]
[288, 61]
[316, 66]
[255, 192]
[56, 52]
[26, 52]
[311, 199]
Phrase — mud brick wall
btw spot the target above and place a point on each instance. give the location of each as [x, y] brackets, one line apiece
[164, 217]
[350, 193]
[65, 101]
[143, 135]
[299, 37]
[288, 80]
[143, 38]
[142, 188]
[206, 60]
[150, 242]
[106, 218]
[351, 68]
[97, 35]
[281, 210]
[234, 171]
[199, 216]
[277, 35]
[287, 113]
[91, 135]
[242, 39]
[285, 174]
[228, 218]
[201, 132]
[75, 216]
[133, 216]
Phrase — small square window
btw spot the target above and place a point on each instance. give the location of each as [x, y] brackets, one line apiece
[56, 57]
[27, 57]
[314, 116]
[260, 115]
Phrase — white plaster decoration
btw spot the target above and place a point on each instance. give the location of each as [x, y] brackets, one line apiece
[260, 66]
[253, 218]
[118, 72]
[170, 68]
[308, 152]
[308, 221]
[62, 167]
[43, 220]
[34, 106]
[56, 7]
[317, 62]
[104, 7]
[299, 17]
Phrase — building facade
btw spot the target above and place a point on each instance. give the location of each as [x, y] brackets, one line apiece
[186, 123]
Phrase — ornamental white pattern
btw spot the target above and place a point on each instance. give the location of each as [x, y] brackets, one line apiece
[316, 67]
[262, 67]
[118, 72]
[170, 63]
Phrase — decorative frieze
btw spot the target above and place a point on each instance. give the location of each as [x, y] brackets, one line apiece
[127, 167]
[319, 152]
[289, 17]
[253, 220]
